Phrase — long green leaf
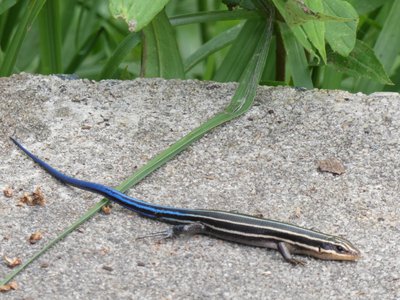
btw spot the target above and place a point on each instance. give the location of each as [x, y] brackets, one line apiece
[160, 54]
[50, 38]
[296, 58]
[32, 9]
[241, 102]
[210, 16]
[240, 53]
[220, 41]
[83, 51]
[123, 49]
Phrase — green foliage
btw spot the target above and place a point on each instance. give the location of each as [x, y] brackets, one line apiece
[204, 39]
[360, 60]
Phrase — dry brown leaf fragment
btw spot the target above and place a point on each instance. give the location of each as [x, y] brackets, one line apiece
[331, 165]
[9, 286]
[25, 199]
[106, 209]
[35, 237]
[38, 197]
[12, 262]
[35, 198]
[8, 192]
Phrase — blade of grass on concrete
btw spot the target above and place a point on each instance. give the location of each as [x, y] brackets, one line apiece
[241, 102]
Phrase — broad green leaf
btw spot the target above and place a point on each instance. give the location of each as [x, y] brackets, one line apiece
[314, 21]
[160, 54]
[361, 62]
[296, 58]
[341, 36]
[303, 11]
[387, 46]
[299, 13]
[297, 29]
[136, 13]
[315, 30]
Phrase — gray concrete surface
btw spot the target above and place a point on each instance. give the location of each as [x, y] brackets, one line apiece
[265, 162]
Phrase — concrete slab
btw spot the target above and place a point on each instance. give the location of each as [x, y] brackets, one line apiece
[265, 162]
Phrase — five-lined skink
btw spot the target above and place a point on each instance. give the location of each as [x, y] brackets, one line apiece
[288, 239]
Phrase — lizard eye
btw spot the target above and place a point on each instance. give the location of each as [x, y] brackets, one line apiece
[340, 249]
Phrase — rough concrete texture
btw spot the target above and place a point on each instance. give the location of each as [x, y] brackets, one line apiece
[265, 162]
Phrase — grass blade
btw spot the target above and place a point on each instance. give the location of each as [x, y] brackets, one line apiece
[67, 231]
[241, 102]
[241, 52]
[84, 51]
[211, 16]
[30, 13]
[160, 52]
[50, 38]
[220, 41]
[297, 60]
[123, 49]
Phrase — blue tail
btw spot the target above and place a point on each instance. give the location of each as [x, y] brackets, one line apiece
[139, 206]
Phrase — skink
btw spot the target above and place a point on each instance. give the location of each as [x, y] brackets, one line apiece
[286, 238]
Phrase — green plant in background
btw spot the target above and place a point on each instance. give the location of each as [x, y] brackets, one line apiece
[336, 44]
